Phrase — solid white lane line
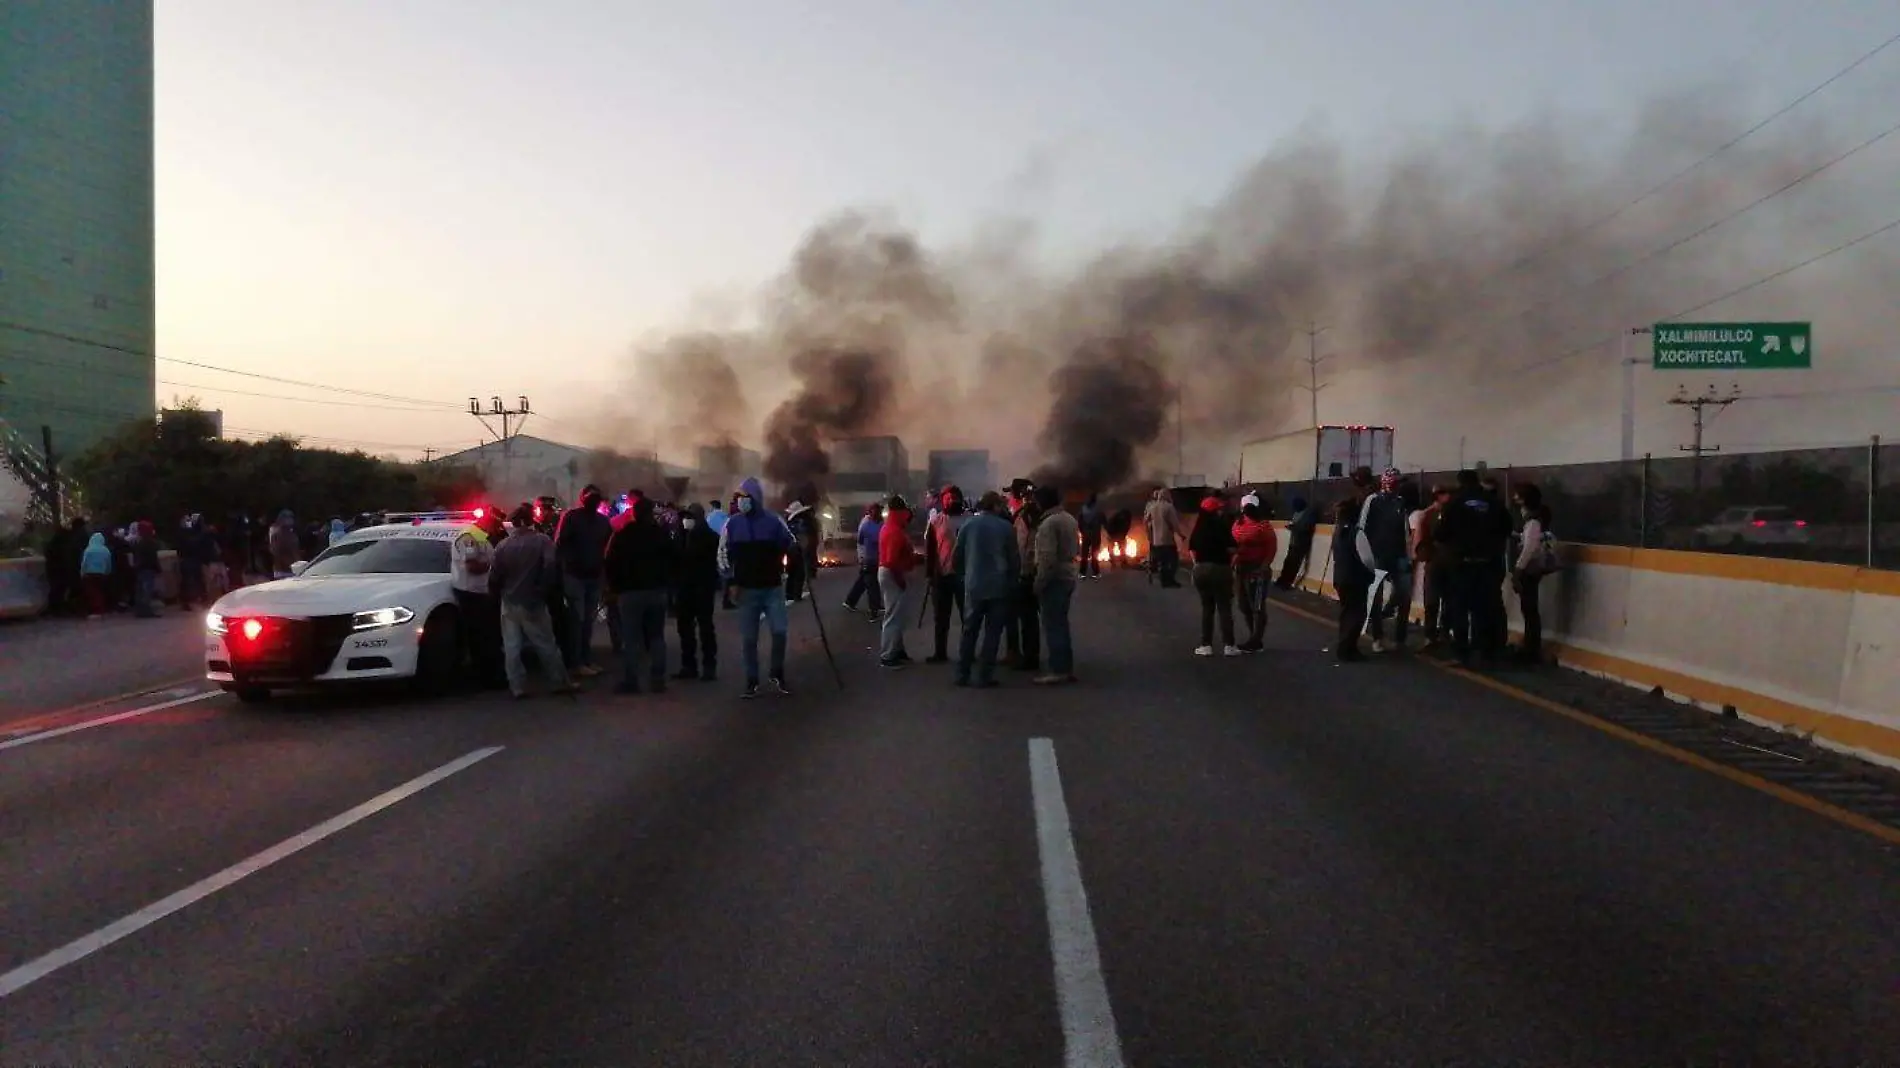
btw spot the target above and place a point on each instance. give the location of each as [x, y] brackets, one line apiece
[81, 948]
[1089, 1039]
[60, 732]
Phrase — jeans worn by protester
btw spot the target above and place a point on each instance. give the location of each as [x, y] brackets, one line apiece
[643, 634]
[987, 618]
[898, 602]
[946, 586]
[752, 551]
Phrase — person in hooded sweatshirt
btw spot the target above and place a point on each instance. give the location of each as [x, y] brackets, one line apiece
[986, 558]
[946, 585]
[870, 531]
[642, 569]
[896, 571]
[752, 553]
[798, 572]
[1212, 544]
[95, 571]
[1255, 544]
[1091, 525]
[698, 588]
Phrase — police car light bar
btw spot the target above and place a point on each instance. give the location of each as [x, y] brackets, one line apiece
[415, 518]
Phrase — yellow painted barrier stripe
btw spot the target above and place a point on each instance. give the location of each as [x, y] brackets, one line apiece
[1800, 800]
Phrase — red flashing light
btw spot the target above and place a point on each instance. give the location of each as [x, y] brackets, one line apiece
[480, 512]
[1761, 522]
[251, 630]
[1800, 522]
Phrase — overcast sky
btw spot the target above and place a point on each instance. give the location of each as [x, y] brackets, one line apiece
[433, 199]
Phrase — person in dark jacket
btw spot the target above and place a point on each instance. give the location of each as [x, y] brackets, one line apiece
[752, 551]
[1092, 522]
[642, 567]
[986, 558]
[1474, 530]
[580, 547]
[1299, 544]
[698, 587]
[146, 569]
[1351, 578]
[1212, 544]
[1384, 517]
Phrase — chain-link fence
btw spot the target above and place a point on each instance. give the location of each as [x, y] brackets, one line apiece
[1839, 506]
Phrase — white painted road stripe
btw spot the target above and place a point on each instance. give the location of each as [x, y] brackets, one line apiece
[1089, 1039]
[81, 948]
[59, 732]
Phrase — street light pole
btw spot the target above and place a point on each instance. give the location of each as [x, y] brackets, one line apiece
[1629, 389]
[1313, 386]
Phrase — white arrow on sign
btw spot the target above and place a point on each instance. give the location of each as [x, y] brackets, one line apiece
[1772, 344]
[1799, 343]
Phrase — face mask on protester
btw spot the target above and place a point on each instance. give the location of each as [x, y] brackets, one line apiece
[689, 522]
[745, 504]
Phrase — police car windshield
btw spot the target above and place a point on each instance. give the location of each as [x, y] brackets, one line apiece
[384, 556]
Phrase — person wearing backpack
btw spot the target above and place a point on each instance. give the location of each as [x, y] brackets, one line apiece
[1536, 558]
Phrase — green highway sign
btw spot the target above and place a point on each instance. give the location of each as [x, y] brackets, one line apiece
[1733, 346]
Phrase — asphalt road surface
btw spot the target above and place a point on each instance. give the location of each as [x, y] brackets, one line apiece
[50, 665]
[1264, 860]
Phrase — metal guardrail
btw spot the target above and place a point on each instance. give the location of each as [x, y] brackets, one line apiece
[1837, 506]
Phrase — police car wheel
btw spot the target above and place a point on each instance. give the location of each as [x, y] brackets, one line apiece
[438, 665]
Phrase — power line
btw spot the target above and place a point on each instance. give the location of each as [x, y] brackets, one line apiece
[1560, 238]
[300, 400]
[1664, 250]
[1705, 160]
[128, 350]
[1736, 292]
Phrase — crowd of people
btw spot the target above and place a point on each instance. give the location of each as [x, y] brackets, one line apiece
[1463, 546]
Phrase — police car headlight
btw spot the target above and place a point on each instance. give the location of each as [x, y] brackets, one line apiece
[381, 617]
[216, 624]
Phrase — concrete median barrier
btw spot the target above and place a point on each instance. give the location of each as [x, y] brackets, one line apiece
[23, 587]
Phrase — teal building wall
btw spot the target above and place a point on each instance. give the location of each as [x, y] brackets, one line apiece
[77, 326]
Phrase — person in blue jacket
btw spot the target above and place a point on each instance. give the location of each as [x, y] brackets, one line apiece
[870, 528]
[752, 550]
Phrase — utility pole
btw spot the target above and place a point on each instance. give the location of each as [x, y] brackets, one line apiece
[1630, 363]
[1313, 386]
[428, 454]
[1699, 404]
[509, 430]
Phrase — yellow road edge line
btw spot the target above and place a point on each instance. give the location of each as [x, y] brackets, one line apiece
[1855, 820]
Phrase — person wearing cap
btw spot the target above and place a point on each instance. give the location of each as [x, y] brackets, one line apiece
[1254, 546]
[1384, 544]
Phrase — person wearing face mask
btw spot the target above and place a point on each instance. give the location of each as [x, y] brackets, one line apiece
[752, 553]
[698, 585]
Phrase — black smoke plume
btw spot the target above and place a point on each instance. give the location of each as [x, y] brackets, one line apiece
[1469, 282]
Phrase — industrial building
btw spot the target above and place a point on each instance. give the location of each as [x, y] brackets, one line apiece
[77, 323]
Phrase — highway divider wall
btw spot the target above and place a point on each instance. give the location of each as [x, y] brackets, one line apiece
[23, 584]
[1792, 644]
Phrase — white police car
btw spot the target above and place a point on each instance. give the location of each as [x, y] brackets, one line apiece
[376, 604]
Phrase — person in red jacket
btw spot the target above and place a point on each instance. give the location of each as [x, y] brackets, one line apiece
[896, 560]
[1255, 546]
